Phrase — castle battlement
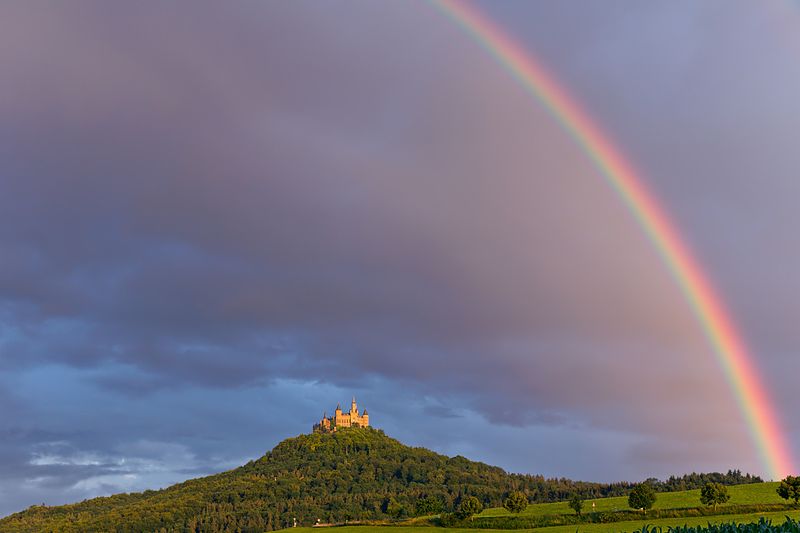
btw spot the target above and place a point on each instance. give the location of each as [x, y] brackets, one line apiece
[341, 419]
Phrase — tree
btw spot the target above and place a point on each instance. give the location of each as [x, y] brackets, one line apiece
[469, 507]
[642, 497]
[429, 505]
[516, 502]
[576, 503]
[713, 494]
[392, 508]
[789, 489]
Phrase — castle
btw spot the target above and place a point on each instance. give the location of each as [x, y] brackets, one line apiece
[342, 420]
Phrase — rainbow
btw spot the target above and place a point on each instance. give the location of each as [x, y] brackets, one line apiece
[727, 344]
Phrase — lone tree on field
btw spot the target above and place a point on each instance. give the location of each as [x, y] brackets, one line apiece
[469, 507]
[714, 494]
[789, 489]
[516, 502]
[576, 503]
[642, 497]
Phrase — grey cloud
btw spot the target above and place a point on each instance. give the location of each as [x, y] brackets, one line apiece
[216, 202]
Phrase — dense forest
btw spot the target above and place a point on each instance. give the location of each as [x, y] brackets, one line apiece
[353, 474]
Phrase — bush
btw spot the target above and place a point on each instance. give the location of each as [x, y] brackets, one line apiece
[516, 502]
[469, 507]
[447, 520]
[429, 505]
[576, 503]
[603, 518]
[789, 489]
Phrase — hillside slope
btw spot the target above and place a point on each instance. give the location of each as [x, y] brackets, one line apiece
[348, 475]
[353, 474]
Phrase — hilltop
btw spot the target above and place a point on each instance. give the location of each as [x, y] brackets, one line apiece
[352, 474]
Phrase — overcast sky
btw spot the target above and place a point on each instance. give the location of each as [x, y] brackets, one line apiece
[219, 220]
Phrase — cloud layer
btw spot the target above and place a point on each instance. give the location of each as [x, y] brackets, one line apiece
[210, 219]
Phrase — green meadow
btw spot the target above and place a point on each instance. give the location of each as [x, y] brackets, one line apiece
[741, 495]
[615, 527]
[752, 494]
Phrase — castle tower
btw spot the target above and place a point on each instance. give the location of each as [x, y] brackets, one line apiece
[354, 407]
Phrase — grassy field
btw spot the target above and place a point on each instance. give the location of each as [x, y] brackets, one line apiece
[755, 493]
[760, 493]
[616, 527]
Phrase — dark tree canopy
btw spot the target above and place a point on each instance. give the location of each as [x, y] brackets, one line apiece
[698, 481]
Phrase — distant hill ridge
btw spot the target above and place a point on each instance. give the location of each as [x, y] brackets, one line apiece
[352, 474]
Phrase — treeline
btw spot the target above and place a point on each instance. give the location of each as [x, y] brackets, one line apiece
[697, 481]
[350, 475]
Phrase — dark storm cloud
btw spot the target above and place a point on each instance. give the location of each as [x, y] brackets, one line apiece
[217, 237]
[208, 216]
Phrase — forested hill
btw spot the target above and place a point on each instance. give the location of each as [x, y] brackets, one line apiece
[353, 474]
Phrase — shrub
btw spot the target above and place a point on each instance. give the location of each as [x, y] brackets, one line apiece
[576, 503]
[428, 505]
[516, 502]
[469, 507]
[447, 520]
[789, 489]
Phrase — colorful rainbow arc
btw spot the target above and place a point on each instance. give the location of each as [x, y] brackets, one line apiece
[727, 344]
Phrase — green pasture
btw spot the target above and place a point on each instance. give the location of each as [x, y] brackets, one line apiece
[756, 493]
[615, 527]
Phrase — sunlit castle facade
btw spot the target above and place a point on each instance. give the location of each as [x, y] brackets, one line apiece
[341, 419]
